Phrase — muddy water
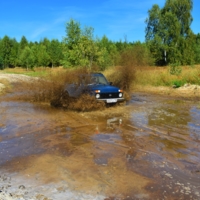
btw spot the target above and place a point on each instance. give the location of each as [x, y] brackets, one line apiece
[148, 149]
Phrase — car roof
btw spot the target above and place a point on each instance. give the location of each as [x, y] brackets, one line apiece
[92, 74]
[97, 74]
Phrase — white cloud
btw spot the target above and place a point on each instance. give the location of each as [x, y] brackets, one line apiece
[38, 32]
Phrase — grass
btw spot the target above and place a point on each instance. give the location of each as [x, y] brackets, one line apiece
[160, 76]
[158, 80]
[128, 77]
[143, 76]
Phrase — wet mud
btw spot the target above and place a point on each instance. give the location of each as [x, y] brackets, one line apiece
[147, 149]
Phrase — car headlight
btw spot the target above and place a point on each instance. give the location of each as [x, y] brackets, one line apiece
[120, 95]
[97, 96]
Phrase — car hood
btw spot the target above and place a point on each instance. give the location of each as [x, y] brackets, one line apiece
[104, 88]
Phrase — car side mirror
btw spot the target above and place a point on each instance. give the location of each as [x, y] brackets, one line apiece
[110, 83]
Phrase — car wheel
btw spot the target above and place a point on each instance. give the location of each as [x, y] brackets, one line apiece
[56, 103]
[66, 99]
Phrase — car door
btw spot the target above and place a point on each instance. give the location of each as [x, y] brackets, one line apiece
[77, 88]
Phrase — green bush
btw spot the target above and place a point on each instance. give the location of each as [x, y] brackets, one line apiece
[178, 83]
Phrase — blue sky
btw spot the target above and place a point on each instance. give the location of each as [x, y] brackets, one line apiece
[117, 19]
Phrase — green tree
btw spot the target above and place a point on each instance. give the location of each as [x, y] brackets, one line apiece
[168, 32]
[35, 49]
[46, 42]
[23, 43]
[70, 43]
[5, 51]
[21, 46]
[55, 52]
[88, 47]
[197, 49]
[1, 63]
[87, 51]
[188, 50]
[27, 58]
[79, 46]
[1, 55]
[110, 55]
[43, 58]
[14, 53]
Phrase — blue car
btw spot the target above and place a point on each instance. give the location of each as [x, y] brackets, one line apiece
[96, 85]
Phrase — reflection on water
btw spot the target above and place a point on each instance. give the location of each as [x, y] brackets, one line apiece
[171, 123]
[194, 124]
[169, 114]
[139, 117]
[108, 135]
[114, 121]
[18, 147]
[22, 128]
[78, 139]
[174, 126]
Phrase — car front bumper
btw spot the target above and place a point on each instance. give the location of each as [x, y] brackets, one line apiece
[112, 100]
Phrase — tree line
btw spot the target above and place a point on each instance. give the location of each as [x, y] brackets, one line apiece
[168, 40]
[78, 48]
[29, 54]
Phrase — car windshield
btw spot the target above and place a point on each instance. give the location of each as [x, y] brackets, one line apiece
[93, 79]
[99, 80]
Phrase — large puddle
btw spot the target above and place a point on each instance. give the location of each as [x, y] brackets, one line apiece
[149, 149]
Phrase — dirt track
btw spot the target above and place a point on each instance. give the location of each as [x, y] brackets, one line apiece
[148, 149]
